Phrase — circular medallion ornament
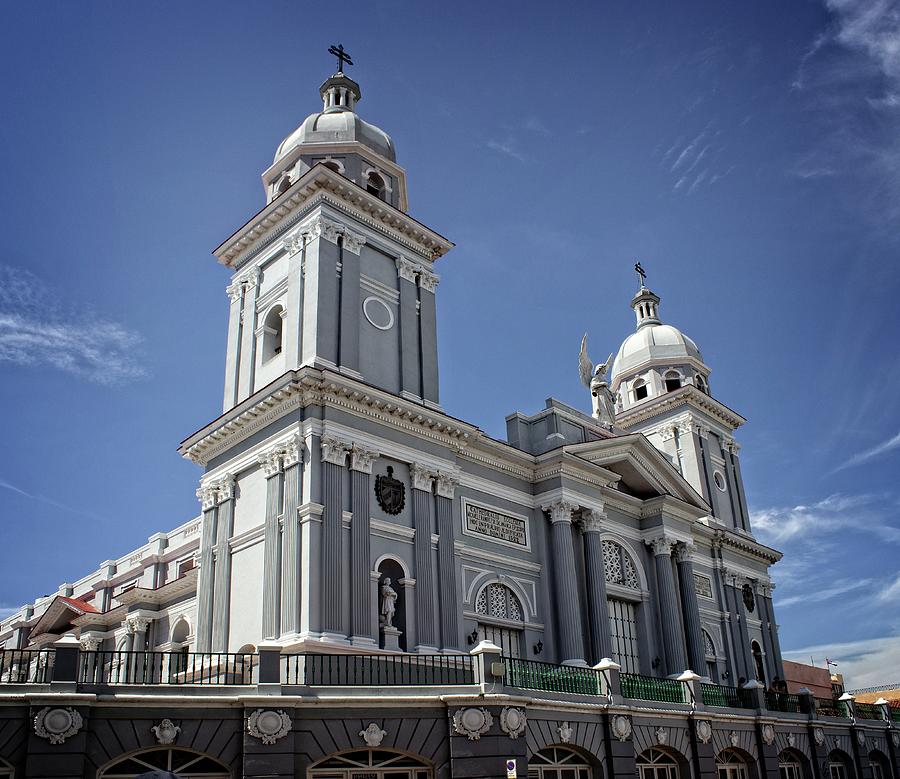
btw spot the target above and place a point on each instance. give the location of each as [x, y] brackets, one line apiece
[621, 727]
[860, 738]
[56, 725]
[390, 493]
[819, 736]
[704, 730]
[472, 722]
[768, 733]
[512, 721]
[268, 725]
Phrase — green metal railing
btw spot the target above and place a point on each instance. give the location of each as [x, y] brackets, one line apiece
[828, 707]
[726, 697]
[533, 675]
[868, 711]
[895, 713]
[782, 701]
[377, 670]
[650, 688]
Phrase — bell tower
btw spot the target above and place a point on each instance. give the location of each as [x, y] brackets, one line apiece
[333, 273]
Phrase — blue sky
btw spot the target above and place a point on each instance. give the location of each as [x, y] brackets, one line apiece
[747, 153]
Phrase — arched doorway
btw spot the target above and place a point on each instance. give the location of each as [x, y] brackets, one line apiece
[730, 765]
[656, 764]
[558, 763]
[371, 764]
[187, 764]
[839, 765]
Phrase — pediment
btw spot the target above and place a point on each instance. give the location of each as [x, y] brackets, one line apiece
[60, 615]
[644, 471]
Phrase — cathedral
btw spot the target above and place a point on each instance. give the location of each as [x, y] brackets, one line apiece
[374, 589]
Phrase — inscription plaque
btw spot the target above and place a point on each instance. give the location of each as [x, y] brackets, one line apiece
[495, 525]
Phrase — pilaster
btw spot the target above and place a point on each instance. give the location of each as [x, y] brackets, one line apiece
[206, 574]
[334, 458]
[222, 583]
[361, 461]
[291, 548]
[445, 485]
[271, 464]
[250, 283]
[409, 328]
[423, 518]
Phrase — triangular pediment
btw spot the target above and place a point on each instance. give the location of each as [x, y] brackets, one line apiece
[644, 471]
[59, 615]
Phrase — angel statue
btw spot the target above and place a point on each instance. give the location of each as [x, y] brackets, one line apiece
[594, 378]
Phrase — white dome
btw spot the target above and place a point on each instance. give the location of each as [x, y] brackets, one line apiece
[653, 342]
[338, 127]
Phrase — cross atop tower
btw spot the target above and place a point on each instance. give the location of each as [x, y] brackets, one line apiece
[342, 56]
[642, 274]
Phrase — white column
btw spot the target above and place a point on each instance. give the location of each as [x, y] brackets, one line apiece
[248, 337]
[232, 355]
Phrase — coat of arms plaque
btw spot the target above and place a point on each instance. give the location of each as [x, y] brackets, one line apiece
[390, 493]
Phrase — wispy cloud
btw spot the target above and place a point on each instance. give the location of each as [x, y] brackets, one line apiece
[890, 593]
[837, 513]
[870, 454]
[509, 147]
[840, 587]
[35, 329]
[5, 485]
[687, 151]
[535, 125]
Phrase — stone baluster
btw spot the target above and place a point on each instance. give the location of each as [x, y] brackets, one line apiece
[423, 517]
[693, 632]
[668, 604]
[595, 570]
[571, 639]
[449, 600]
[361, 461]
[291, 539]
[334, 458]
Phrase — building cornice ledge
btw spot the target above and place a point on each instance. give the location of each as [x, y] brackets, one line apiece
[325, 183]
[747, 545]
[686, 396]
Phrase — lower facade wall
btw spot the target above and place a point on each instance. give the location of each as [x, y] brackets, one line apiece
[473, 738]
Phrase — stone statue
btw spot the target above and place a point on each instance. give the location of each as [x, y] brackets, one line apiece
[594, 378]
[388, 604]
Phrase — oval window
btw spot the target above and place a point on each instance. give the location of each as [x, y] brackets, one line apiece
[378, 313]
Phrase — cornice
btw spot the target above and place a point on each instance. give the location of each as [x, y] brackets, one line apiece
[748, 546]
[688, 395]
[180, 586]
[315, 387]
[321, 184]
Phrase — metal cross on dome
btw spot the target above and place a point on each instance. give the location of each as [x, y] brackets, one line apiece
[342, 56]
[642, 274]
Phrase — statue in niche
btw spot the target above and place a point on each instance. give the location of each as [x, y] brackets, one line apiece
[594, 378]
[388, 604]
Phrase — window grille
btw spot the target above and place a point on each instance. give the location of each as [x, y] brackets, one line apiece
[618, 566]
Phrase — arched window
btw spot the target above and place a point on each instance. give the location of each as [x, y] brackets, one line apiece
[709, 648]
[758, 661]
[881, 768]
[333, 165]
[839, 765]
[6, 770]
[789, 765]
[375, 185]
[640, 389]
[620, 569]
[188, 765]
[283, 186]
[673, 381]
[497, 606]
[556, 762]
[273, 332]
[656, 764]
[371, 764]
[730, 765]
[701, 384]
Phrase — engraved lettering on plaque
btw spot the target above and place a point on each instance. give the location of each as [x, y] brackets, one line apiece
[491, 523]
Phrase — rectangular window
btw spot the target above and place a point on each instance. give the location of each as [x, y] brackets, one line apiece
[623, 632]
[184, 566]
[510, 641]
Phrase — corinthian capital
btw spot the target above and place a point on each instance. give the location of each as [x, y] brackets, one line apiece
[362, 459]
[353, 242]
[334, 451]
[224, 488]
[320, 227]
[592, 520]
[207, 496]
[446, 484]
[90, 643]
[137, 623]
[407, 269]
[293, 451]
[560, 511]
[294, 242]
[667, 432]
[428, 280]
[422, 477]
[684, 552]
[661, 544]
[271, 462]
